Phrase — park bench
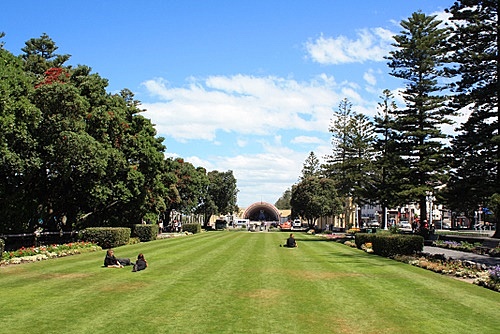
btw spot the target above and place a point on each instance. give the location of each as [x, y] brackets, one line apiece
[488, 245]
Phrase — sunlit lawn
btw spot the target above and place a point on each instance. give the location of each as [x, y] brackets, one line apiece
[240, 282]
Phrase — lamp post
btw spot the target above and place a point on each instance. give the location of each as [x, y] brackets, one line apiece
[430, 199]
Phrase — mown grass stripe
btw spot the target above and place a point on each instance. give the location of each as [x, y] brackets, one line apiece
[241, 282]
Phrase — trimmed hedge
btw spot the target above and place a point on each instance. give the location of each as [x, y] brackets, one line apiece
[146, 233]
[391, 244]
[106, 237]
[193, 228]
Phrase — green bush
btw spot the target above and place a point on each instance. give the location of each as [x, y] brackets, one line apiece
[193, 228]
[146, 232]
[2, 246]
[106, 237]
[362, 238]
[134, 240]
[391, 244]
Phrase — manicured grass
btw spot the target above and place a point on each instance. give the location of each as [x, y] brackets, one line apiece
[240, 282]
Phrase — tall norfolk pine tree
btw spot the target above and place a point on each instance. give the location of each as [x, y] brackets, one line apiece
[418, 59]
[311, 166]
[474, 45]
[385, 179]
[350, 164]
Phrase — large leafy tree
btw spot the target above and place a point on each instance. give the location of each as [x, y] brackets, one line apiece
[223, 190]
[220, 196]
[314, 197]
[419, 59]
[19, 160]
[143, 151]
[72, 153]
[191, 184]
[283, 203]
[474, 44]
[101, 158]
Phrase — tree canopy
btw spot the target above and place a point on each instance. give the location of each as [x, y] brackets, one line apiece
[474, 180]
[315, 197]
[74, 155]
[419, 60]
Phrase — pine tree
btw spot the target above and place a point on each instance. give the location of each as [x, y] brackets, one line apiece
[350, 163]
[311, 166]
[385, 179]
[474, 45]
[39, 55]
[337, 163]
[419, 59]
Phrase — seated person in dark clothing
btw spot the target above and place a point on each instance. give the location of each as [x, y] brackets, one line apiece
[290, 242]
[141, 263]
[111, 261]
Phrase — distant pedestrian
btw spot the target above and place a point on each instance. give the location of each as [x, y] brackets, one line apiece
[160, 226]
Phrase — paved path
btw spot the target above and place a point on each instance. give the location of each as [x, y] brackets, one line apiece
[458, 255]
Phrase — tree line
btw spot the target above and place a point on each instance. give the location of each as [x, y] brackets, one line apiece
[403, 155]
[75, 156]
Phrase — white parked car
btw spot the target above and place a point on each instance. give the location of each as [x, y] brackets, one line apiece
[297, 223]
[373, 223]
[404, 224]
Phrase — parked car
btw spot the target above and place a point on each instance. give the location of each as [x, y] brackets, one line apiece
[404, 224]
[297, 223]
[445, 226]
[286, 225]
[373, 223]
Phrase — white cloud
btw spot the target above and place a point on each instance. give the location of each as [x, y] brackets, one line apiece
[244, 105]
[253, 110]
[370, 78]
[262, 176]
[241, 142]
[370, 45]
[306, 140]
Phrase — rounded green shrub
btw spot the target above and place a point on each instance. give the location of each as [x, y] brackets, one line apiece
[391, 244]
[193, 228]
[106, 237]
[146, 232]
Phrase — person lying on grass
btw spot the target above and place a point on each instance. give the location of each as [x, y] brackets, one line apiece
[290, 242]
[141, 263]
[110, 261]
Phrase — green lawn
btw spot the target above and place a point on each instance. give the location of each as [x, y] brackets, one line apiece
[240, 282]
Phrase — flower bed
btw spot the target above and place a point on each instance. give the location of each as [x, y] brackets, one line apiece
[466, 247]
[479, 274]
[34, 254]
[493, 280]
[457, 245]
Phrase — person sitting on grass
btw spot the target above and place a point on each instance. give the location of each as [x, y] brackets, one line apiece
[110, 261]
[290, 242]
[141, 263]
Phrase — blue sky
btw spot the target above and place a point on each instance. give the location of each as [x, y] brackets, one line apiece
[247, 86]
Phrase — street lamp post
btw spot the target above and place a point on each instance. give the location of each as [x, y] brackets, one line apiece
[430, 199]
